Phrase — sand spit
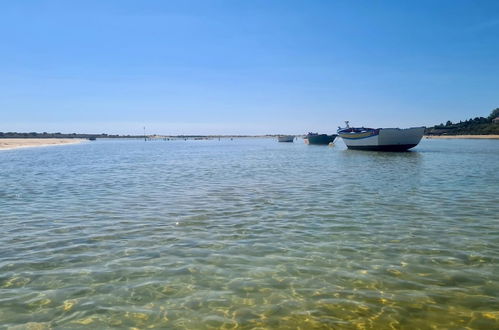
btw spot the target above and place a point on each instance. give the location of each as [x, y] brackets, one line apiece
[462, 136]
[6, 144]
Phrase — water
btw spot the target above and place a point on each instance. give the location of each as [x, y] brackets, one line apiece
[249, 233]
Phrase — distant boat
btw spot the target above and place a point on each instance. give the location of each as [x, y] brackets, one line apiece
[92, 138]
[286, 138]
[315, 138]
[383, 139]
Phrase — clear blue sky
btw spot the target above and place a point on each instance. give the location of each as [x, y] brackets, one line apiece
[244, 67]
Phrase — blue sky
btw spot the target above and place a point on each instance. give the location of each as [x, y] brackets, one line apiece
[244, 67]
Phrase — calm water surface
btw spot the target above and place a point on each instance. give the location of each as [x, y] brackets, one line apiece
[249, 233]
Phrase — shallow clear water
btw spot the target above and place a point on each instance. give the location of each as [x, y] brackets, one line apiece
[249, 233]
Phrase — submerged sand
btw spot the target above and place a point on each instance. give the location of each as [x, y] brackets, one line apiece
[25, 143]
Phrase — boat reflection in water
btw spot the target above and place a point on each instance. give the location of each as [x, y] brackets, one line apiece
[383, 139]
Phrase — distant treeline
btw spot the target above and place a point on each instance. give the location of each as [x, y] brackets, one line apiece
[472, 126]
[62, 135]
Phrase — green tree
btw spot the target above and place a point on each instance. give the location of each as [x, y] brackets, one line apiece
[494, 114]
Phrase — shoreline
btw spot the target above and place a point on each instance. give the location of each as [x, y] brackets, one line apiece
[492, 136]
[10, 144]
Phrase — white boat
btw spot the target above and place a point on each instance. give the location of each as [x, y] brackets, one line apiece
[387, 139]
[285, 138]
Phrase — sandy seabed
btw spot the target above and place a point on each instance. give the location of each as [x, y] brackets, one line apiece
[462, 136]
[26, 143]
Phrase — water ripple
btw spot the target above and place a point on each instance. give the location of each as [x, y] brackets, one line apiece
[247, 234]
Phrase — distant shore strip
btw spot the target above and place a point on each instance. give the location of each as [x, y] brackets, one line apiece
[8, 144]
[462, 136]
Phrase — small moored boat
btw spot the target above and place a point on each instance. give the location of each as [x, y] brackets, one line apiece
[323, 139]
[285, 138]
[383, 139]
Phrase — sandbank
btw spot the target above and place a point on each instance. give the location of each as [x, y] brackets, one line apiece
[6, 144]
[462, 136]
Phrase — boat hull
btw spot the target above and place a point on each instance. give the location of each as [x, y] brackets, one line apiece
[392, 147]
[321, 139]
[286, 138]
[382, 139]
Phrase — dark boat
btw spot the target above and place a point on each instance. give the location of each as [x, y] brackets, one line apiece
[322, 139]
[92, 138]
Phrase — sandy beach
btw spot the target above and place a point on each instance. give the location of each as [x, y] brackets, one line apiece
[6, 144]
[462, 136]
